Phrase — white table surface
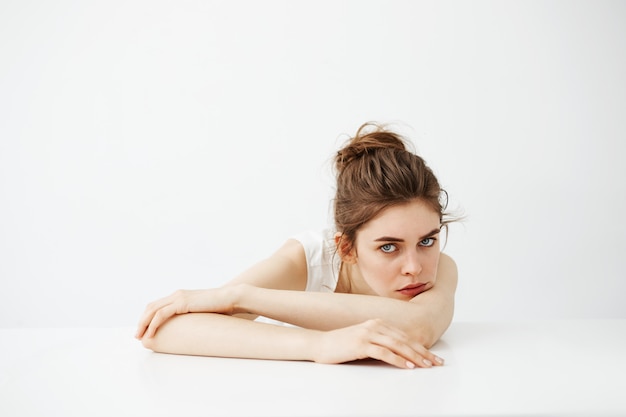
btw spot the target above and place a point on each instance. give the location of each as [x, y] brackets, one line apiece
[548, 368]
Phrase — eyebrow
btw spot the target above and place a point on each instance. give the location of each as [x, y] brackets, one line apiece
[397, 239]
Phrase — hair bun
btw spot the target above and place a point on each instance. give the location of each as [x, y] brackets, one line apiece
[368, 139]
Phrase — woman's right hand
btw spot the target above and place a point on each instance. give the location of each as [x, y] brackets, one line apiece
[373, 339]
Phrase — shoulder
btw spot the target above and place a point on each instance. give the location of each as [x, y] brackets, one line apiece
[316, 250]
[284, 269]
[302, 250]
[313, 237]
[447, 262]
[318, 246]
[447, 271]
[303, 262]
[291, 251]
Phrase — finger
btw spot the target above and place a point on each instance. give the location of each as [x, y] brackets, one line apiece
[401, 348]
[159, 318]
[149, 313]
[384, 354]
[143, 324]
[434, 359]
[424, 357]
[140, 331]
[388, 344]
[427, 355]
[399, 343]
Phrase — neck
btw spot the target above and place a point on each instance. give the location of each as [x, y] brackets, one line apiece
[351, 281]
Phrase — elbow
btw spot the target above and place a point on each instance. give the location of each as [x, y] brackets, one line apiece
[427, 330]
[425, 336]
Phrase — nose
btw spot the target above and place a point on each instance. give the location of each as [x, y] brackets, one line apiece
[412, 264]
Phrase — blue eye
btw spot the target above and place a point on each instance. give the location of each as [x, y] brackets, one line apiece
[388, 248]
[428, 242]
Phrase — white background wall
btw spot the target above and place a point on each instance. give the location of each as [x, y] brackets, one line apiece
[148, 145]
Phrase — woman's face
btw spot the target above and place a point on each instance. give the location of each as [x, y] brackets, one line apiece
[397, 252]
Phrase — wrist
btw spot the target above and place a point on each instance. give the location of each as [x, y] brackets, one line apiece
[240, 294]
[313, 344]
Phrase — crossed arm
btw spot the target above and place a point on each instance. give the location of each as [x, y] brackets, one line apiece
[332, 327]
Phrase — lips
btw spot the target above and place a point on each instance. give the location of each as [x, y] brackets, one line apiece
[413, 289]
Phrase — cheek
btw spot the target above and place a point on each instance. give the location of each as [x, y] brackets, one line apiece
[373, 265]
[377, 270]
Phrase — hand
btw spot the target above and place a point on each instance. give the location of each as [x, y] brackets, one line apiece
[219, 300]
[373, 339]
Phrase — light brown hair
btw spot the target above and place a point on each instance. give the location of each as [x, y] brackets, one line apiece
[375, 170]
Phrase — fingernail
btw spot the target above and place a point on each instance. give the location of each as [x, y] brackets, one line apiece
[438, 360]
[410, 364]
[427, 362]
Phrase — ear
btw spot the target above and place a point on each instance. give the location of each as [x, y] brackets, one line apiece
[348, 255]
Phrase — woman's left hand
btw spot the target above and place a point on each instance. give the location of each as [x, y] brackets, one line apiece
[218, 300]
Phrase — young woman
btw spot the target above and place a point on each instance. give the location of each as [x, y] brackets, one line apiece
[377, 286]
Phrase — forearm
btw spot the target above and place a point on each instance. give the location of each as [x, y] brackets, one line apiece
[209, 334]
[213, 334]
[424, 321]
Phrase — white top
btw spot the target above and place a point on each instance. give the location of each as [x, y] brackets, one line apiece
[322, 260]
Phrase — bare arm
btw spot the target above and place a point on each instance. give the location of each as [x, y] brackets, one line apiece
[210, 334]
[424, 318]
[368, 326]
